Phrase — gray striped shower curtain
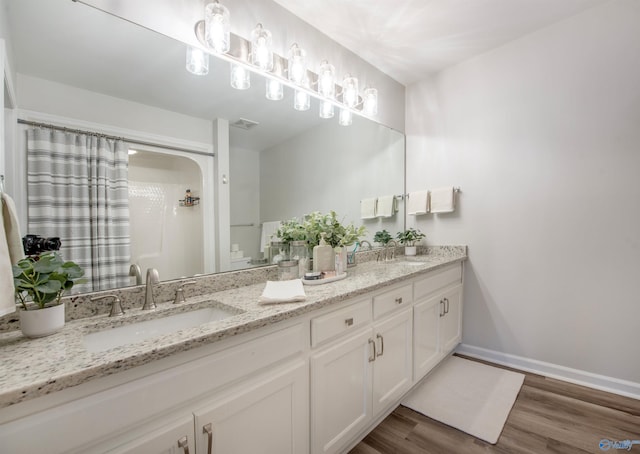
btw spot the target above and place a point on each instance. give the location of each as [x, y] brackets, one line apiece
[78, 191]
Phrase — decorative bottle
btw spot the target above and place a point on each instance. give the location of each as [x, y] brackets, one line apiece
[323, 256]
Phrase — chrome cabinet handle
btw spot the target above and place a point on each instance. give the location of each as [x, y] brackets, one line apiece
[372, 358]
[442, 312]
[184, 444]
[349, 321]
[399, 300]
[446, 301]
[379, 336]
[207, 429]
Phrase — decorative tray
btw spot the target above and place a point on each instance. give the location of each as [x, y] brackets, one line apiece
[326, 280]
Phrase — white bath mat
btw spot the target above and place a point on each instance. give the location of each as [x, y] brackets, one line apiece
[469, 396]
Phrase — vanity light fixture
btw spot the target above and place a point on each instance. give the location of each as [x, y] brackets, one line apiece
[275, 90]
[297, 65]
[261, 49]
[327, 80]
[217, 27]
[197, 61]
[345, 118]
[240, 77]
[326, 109]
[301, 100]
[350, 91]
[370, 103]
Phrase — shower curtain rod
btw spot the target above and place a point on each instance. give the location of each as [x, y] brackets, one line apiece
[107, 136]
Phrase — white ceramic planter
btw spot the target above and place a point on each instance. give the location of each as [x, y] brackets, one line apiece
[410, 250]
[42, 322]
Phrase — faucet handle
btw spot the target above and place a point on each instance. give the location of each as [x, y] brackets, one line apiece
[180, 292]
[116, 305]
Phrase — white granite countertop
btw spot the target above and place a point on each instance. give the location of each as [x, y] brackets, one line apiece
[30, 368]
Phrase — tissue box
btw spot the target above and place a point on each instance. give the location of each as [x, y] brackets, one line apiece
[237, 254]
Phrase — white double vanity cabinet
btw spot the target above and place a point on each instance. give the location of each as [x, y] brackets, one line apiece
[315, 383]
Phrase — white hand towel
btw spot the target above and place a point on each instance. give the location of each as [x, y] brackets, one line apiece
[268, 228]
[443, 200]
[387, 206]
[368, 208]
[283, 292]
[12, 229]
[10, 252]
[418, 203]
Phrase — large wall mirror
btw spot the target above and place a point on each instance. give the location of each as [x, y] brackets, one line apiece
[80, 67]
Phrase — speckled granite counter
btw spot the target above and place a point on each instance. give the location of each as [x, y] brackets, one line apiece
[35, 367]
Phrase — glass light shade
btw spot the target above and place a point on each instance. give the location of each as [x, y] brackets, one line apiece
[350, 91]
[345, 118]
[261, 49]
[327, 80]
[197, 61]
[297, 64]
[217, 27]
[326, 109]
[275, 90]
[240, 77]
[370, 106]
[301, 100]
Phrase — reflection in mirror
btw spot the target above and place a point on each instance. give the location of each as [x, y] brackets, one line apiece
[88, 70]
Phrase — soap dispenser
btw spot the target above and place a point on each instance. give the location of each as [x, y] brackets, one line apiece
[323, 256]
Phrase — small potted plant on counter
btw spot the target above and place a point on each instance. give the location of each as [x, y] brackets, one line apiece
[39, 282]
[409, 238]
[382, 237]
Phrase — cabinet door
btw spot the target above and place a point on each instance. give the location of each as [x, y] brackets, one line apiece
[172, 438]
[426, 347]
[267, 415]
[451, 323]
[392, 368]
[341, 392]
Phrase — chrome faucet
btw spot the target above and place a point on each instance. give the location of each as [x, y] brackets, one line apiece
[152, 278]
[134, 271]
[368, 244]
[387, 249]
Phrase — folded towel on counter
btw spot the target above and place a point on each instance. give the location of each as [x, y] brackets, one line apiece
[387, 206]
[10, 252]
[442, 200]
[368, 208]
[268, 229]
[283, 292]
[418, 203]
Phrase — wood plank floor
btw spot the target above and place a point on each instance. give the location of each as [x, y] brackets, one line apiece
[549, 416]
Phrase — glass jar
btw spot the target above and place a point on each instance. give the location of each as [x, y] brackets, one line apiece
[278, 251]
[299, 250]
[287, 270]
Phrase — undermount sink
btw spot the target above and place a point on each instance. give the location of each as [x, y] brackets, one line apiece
[134, 332]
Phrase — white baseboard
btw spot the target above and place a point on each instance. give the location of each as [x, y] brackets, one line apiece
[576, 376]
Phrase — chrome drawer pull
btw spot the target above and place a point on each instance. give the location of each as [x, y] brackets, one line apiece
[446, 302]
[207, 429]
[184, 444]
[372, 358]
[399, 300]
[379, 336]
[442, 312]
[349, 321]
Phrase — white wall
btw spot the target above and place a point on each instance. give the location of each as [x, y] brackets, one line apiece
[244, 194]
[543, 137]
[333, 167]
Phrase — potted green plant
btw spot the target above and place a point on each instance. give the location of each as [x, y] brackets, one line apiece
[382, 237]
[39, 282]
[294, 235]
[409, 238]
[336, 234]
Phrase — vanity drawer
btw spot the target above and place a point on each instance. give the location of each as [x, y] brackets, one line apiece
[437, 280]
[338, 322]
[392, 300]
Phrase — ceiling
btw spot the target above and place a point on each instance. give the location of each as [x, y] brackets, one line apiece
[410, 39]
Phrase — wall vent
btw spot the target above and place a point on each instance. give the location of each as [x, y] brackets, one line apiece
[245, 124]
